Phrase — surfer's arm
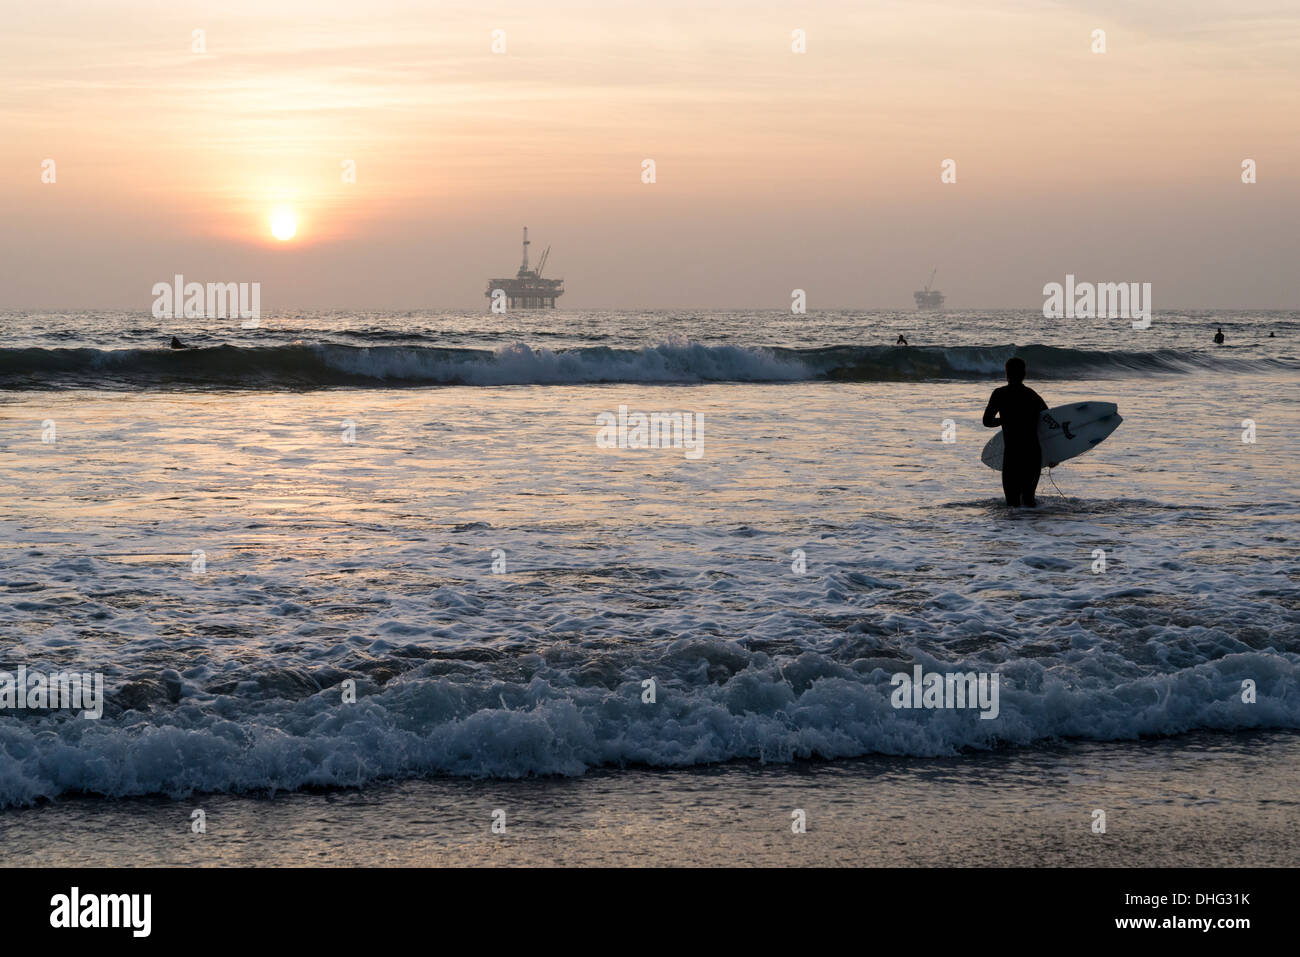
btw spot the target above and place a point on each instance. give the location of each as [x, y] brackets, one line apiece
[991, 420]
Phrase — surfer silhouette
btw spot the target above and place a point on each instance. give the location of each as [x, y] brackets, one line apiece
[901, 340]
[1218, 336]
[177, 344]
[1015, 407]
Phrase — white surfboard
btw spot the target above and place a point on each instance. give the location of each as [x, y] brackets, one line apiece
[1063, 432]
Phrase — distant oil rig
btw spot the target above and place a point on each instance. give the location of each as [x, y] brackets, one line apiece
[928, 298]
[528, 290]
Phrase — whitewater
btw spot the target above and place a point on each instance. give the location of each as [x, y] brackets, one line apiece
[497, 589]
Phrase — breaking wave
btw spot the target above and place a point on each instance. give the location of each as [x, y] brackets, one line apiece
[716, 701]
[302, 366]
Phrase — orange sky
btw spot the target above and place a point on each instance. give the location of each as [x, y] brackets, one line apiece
[775, 170]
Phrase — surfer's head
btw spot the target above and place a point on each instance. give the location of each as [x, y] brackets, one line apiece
[1015, 370]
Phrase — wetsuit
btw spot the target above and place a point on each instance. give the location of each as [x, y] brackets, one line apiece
[1016, 408]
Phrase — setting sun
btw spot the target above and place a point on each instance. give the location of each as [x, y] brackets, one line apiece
[284, 224]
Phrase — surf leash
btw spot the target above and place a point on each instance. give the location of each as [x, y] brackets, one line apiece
[1054, 485]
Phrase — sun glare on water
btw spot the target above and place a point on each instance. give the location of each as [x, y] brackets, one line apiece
[284, 224]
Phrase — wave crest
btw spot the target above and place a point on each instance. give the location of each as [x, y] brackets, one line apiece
[320, 365]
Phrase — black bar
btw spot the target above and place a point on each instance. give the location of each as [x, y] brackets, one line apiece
[946, 908]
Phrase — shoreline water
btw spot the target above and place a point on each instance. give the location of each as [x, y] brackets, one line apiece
[372, 560]
[1201, 800]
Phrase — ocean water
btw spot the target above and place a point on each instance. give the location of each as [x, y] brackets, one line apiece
[1204, 799]
[472, 441]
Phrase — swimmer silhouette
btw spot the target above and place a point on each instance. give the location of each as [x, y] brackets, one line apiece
[901, 341]
[1218, 336]
[1015, 407]
[177, 344]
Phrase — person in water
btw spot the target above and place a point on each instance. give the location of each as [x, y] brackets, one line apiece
[177, 344]
[1015, 407]
[901, 340]
[1218, 336]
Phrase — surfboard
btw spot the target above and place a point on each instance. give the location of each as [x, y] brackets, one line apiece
[1063, 432]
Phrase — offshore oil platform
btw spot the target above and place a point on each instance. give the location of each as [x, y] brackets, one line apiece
[928, 298]
[528, 290]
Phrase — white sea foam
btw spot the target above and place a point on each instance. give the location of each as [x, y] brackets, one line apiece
[519, 363]
[471, 724]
